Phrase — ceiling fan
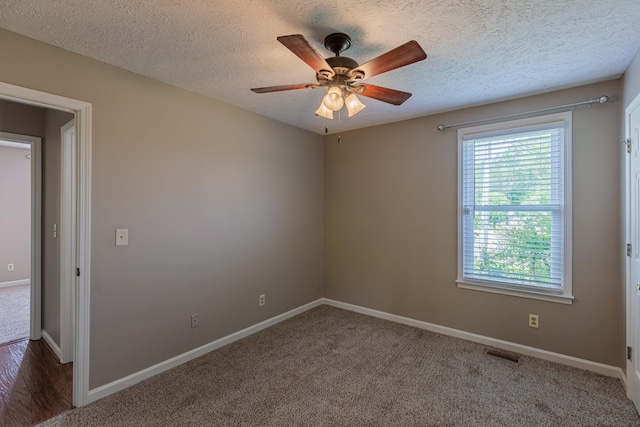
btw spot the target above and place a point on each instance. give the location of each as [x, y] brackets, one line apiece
[342, 76]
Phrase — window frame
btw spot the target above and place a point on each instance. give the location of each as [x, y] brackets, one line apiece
[565, 293]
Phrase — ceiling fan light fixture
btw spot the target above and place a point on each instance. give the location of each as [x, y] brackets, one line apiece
[354, 105]
[333, 99]
[324, 112]
[341, 75]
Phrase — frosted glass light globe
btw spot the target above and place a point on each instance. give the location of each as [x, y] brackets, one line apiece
[354, 106]
[333, 99]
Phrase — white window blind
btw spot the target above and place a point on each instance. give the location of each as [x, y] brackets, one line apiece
[513, 222]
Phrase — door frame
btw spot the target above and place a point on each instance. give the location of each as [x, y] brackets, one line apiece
[82, 111]
[35, 293]
[629, 289]
[67, 233]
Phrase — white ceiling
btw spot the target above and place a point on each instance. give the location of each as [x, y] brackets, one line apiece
[479, 50]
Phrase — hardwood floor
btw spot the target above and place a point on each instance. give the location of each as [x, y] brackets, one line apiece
[34, 386]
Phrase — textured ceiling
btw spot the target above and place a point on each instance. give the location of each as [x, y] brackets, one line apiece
[479, 50]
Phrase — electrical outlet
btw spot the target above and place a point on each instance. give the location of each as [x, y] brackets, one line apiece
[533, 321]
[10, 267]
[195, 320]
[261, 300]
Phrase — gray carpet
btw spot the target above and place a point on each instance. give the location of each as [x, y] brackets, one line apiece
[14, 313]
[330, 367]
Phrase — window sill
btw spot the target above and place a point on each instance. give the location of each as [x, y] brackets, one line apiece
[561, 299]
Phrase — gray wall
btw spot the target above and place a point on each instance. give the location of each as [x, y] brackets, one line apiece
[221, 205]
[15, 214]
[391, 230]
[53, 121]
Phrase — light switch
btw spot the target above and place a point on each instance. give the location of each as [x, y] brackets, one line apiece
[122, 236]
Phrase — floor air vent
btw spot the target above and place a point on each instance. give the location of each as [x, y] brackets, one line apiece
[505, 356]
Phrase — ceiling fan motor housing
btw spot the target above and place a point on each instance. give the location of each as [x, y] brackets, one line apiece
[343, 68]
[342, 62]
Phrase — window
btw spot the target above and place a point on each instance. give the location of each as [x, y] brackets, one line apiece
[514, 215]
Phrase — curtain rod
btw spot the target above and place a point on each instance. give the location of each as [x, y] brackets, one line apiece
[600, 100]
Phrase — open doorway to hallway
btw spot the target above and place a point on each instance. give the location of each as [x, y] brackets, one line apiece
[82, 110]
[36, 381]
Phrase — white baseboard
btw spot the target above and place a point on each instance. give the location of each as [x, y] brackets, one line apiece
[15, 283]
[128, 381]
[599, 368]
[52, 344]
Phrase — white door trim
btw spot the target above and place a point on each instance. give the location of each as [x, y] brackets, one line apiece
[629, 289]
[35, 327]
[82, 111]
[67, 233]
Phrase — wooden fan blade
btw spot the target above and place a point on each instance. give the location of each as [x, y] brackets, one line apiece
[297, 44]
[406, 54]
[279, 88]
[384, 94]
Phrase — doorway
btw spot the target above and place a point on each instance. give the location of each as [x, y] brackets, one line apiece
[29, 393]
[82, 111]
